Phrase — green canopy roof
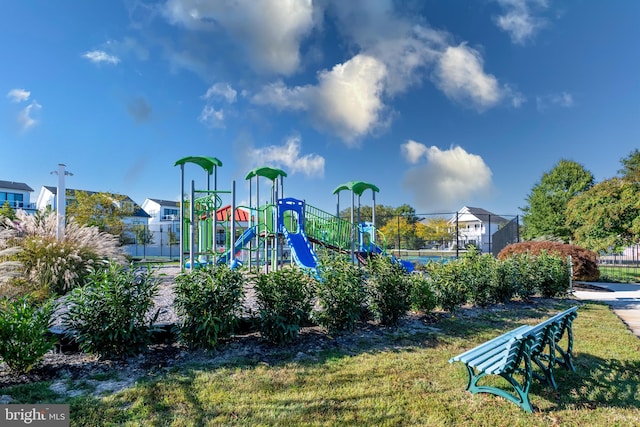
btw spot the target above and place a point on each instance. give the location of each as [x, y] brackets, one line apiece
[266, 172]
[358, 187]
[206, 163]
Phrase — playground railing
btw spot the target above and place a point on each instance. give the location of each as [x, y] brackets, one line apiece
[327, 228]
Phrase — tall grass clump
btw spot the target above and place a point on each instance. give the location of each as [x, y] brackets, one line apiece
[340, 292]
[284, 303]
[388, 289]
[208, 302]
[24, 332]
[33, 260]
[111, 314]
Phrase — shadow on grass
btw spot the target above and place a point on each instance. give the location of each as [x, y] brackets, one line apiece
[597, 382]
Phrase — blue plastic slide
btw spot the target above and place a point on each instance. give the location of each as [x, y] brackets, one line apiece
[242, 242]
[301, 251]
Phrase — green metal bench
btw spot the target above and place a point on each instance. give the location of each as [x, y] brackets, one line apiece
[527, 352]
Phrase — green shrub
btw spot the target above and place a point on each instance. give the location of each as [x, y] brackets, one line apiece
[24, 335]
[208, 301]
[518, 274]
[340, 292]
[448, 283]
[284, 303]
[388, 289]
[480, 274]
[553, 272]
[423, 296]
[110, 315]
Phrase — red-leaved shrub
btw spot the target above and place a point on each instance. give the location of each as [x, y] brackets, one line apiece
[585, 265]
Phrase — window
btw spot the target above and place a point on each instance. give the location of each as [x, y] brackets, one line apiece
[14, 199]
[170, 214]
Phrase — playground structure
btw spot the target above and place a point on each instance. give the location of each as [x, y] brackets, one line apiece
[211, 233]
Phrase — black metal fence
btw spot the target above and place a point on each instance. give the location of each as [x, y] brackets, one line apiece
[154, 241]
[621, 267]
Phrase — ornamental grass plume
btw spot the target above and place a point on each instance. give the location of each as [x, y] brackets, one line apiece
[33, 260]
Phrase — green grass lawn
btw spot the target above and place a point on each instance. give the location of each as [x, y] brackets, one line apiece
[404, 379]
[621, 274]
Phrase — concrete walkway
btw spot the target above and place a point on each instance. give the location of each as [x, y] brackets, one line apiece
[624, 299]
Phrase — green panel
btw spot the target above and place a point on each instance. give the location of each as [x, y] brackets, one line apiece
[327, 228]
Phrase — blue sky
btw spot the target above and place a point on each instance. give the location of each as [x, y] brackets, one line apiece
[438, 103]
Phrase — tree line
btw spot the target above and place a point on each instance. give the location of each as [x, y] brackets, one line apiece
[568, 205]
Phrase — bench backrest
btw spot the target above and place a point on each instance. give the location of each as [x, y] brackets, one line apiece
[549, 331]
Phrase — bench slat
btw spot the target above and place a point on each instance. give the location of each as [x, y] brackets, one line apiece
[489, 345]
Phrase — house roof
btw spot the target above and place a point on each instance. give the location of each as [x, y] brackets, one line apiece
[224, 212]
[481, 215]
[137, 210]
[11, 185]
[166, 202]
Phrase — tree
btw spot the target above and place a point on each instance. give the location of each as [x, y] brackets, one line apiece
[545, 213]
[143, 235]
[436, 229]
[631, 167]
[103, 210]
[606, 217]
[6, 211]
[403, 231]
[383, 214]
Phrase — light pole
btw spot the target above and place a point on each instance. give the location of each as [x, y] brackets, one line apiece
[61, 200]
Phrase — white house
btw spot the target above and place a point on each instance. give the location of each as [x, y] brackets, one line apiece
[163, 214]
[18, 195]
[48, 198]
[476, 226]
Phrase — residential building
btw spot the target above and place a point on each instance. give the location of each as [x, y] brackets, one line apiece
[18, 195]
[476, 226]
[48, 198]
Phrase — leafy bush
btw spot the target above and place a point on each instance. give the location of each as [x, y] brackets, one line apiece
[340, 292]
[208, 301]
[34, 260]
[423, 295]
[518, 273]
[584, 262]
[110, 315]
[388, 289]
[447, 280]
[284, 303]
[553, 272]
[480, 275]
[24, 335]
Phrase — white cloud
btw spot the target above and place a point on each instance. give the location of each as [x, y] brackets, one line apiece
[100, 56]
[288, 156]
[405, 47]
[270, 31]
[211, 117]
[347, 100]
[413, 151]
[223, 91]
[26, 118]
[562, 100]
[460, 75]
[519, 20]
[18, 95]
[448, 179]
